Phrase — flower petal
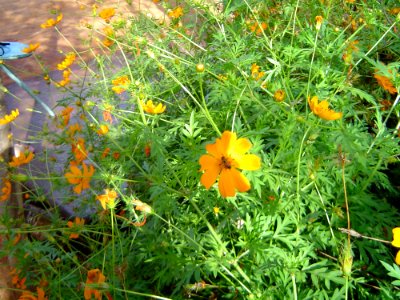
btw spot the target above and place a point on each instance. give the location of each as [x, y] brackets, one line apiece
[226, 184]
[242, 184]
[249, 162]
[209, 177]
[396, 237]
[241, 146]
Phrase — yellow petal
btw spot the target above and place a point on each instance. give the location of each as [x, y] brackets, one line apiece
[242, 145]
[397, 260]
[396, 237]
[226, 184]
[249, 162]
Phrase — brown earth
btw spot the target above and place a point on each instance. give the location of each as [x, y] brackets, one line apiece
[20, 21]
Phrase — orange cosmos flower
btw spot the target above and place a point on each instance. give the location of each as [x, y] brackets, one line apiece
[5, 190]
[31, 48]
[93, 277]
[395, 11]
[73, 129]
[120, 83]
[318, 22]
[16, 281]
[257, 27]
[107, 13]
[107, 113]
[27, 295]
[105, 152]
[66, 115]
[147, 149]
[80, 177]
[279, 95]
[322, 110]
[385, 83]
[51, 22]
[78, 223]
[103, 130]
[68, 61]
[116, 155]
[22, 159]
[176, 13]
[108, 198]
[9, 118]
[79, 150]
[150, 108]
[223, 160]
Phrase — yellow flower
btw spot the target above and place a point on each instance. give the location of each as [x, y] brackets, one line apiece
[279, 95]
[93, 277]
[385, 83]
[118, 82]
[80, 177]
[66, 79]
[5, 190]
[22, 159]
[224, 157]
[318, 22]
[103, 130]
[107, 13]
[109, 32]
[9, 118]
[396, 237]
[108, 198]
[78, 223]
[51, 22]
[322, 110]
[68, 60]
[150, 108]
[31, 48]
[255, 73]
[176, 13]
[216, 211]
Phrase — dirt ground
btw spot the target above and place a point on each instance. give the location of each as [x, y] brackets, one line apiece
[20, 21]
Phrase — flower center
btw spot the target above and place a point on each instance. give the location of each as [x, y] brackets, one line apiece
[226, 162]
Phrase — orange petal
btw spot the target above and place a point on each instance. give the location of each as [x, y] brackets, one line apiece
[208, 162]
[249, 162]
[226, 184]
[209, 177]
[241, 183]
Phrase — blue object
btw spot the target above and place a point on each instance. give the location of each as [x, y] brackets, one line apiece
[13, 50]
